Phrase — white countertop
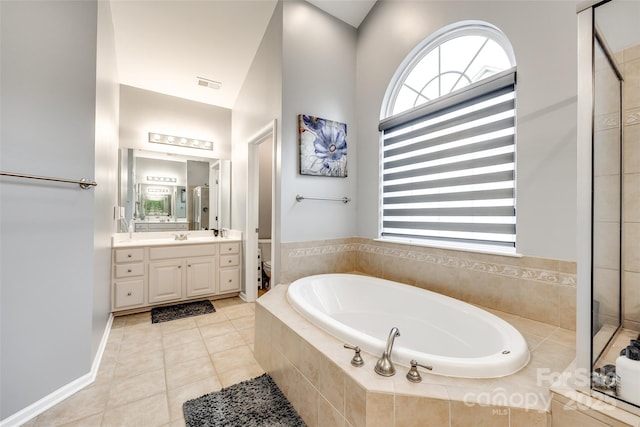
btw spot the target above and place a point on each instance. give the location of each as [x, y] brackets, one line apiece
[122, 240]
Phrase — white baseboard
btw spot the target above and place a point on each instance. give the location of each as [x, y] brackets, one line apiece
[63, 392]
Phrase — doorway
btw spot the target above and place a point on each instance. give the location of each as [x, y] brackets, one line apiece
[262, 144]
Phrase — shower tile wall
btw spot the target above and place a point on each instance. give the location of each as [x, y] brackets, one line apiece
[536, 288]
[630, 59]
[606, 194]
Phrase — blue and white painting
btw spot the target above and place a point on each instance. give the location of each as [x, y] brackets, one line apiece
[323, 147]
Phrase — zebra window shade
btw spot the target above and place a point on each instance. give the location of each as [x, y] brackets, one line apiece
[449, 167]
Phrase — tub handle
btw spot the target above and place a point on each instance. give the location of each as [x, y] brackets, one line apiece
[357, 360]
[413, 375]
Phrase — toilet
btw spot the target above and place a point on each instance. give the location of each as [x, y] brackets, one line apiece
[264, 248]
[266, 267]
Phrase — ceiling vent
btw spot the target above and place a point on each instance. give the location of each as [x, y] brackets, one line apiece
[212, 84]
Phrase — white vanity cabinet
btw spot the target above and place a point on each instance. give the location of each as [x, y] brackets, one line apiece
[229, 267]
[181, 271]
[165, 281]
[128, 283]
[164, 273]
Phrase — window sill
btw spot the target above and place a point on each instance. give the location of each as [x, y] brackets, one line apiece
[479, 249]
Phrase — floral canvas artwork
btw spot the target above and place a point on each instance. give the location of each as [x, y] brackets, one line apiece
[323, 147]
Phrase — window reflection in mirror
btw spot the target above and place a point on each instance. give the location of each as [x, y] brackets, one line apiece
[164, 192]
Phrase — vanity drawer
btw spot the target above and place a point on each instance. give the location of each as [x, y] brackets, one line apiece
[229, 280]
[129, 270]
[229, 260]
[129, 255]
[182, 251]
[229, 248]
[128, 293]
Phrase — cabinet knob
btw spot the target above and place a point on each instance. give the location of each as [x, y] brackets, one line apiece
[128, 294]
[129, 255]
[179, 266]
[230, 280]
[129, 270]
[189, 265]
[229, 261]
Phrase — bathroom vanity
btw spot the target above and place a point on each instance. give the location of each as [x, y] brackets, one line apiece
[156, 269]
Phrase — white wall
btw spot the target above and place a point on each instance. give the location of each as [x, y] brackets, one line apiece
[142, 111]
[543, 35]
[259, 103]
[319, 79]
[106, 170]
[48, 84]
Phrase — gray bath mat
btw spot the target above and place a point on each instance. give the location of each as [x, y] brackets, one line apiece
[179, 311]
[253, 403]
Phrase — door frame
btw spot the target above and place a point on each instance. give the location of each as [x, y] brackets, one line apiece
[251, 241]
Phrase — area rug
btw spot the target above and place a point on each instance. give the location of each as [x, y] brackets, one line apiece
[253, 403]
[180, 311]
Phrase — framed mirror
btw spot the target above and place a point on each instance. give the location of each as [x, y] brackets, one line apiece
[166, 192]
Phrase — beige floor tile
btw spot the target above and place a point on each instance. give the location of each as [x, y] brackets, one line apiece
[141, 342]
[176, 423]
[138, 363]
[151, 411]
[227, 302]
[179, 354]
[244, 322]
[248, 335]
[245, 372]
[224, 342]
[87, 402]
[130, 389]
[207, 319]
[92, 421]
[179, 395]
[237, 311]
[236, 357]
[181, 337]
[177, 325]
[189, 372]
[217, 329]
[138, 318]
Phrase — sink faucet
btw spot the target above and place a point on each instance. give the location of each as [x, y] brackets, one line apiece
[384, 366]
[181, 236]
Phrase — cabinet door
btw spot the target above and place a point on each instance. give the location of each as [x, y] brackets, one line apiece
[229, 280]
[201, 274]
[165, 280]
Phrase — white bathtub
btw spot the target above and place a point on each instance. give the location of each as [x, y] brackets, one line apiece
[455, 338]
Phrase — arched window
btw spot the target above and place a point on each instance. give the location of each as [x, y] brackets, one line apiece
[448, 147]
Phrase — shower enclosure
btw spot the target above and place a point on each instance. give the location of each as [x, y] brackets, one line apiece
[608, 303]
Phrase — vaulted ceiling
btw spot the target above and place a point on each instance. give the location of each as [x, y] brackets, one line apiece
[166, 45]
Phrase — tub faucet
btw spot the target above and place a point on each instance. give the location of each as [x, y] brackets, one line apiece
[384, 366]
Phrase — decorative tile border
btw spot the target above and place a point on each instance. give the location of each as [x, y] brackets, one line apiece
[632, 117]
[323, 250]
[606, 121]
[525, 273]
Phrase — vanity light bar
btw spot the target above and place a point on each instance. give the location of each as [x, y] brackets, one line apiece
[180, 141]
[161, 179]
[157, 191]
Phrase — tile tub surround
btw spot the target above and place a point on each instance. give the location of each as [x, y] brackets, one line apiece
[536, 288]
[313, 370]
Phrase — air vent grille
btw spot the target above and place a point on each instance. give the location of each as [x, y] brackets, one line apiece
[212, 84]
